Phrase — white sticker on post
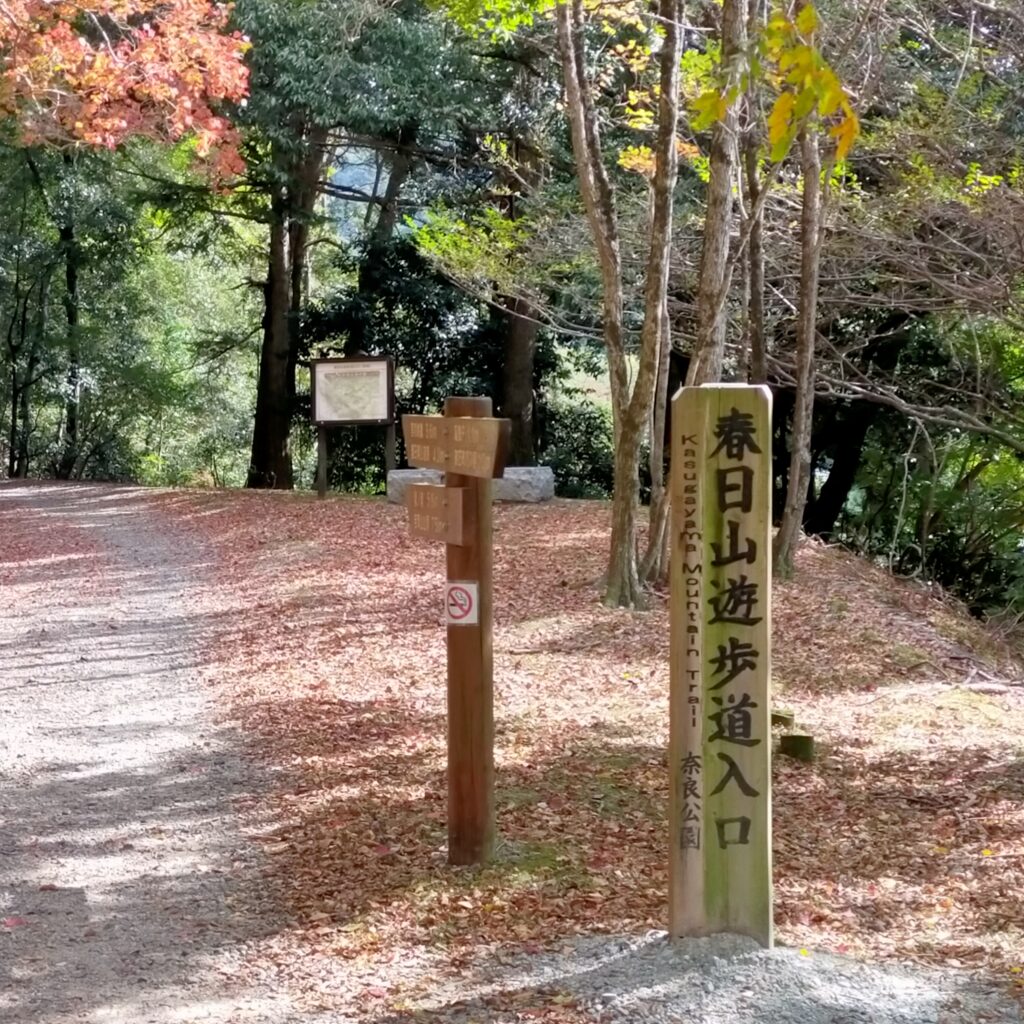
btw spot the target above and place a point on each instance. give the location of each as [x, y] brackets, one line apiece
[462, 603]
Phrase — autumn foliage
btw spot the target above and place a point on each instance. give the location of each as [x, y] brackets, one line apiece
[100, 71]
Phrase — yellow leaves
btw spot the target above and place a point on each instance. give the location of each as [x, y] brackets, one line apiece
[639, 159]
[708, 108]
[639, 110]
[845, 133]
[634, 55]
[807, 20]
[781, 125]
[808, 84]
[687, 150]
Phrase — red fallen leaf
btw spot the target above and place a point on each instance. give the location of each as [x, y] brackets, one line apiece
[383, 851]
[14, 922]
[48, 887]
[375, 992]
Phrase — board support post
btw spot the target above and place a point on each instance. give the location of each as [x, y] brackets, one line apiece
[321, 461]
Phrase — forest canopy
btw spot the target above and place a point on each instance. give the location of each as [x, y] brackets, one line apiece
[573, 208]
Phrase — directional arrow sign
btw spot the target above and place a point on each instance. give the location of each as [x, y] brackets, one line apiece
[437, 512]
[466, 445]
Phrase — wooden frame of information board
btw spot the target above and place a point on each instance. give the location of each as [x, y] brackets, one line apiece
[373, 410]
[471, 448]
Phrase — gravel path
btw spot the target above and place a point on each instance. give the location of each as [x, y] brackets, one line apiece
[121, 869]
[129, 895]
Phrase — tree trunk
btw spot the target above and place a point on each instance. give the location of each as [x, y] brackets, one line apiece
[715, 268]
[756, 342]
[292, 209]
[622, 582]
[853, 429]
[521, 329]
[654, 566]
[800, 439]
[12, 446]
[271, 463]
[403, 162]
[73, 381]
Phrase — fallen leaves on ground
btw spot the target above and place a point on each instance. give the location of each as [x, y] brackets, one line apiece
[904, 841]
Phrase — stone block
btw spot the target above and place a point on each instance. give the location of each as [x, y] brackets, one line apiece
[519, 484]
[399, 480]
[525, 484]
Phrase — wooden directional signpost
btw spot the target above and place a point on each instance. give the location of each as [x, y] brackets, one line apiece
[720, 871]
[470, 448]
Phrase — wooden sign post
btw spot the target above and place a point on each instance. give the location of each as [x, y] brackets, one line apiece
[720, 868]
[471, 448]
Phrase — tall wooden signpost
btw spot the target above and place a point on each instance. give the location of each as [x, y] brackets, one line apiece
[720, 870]
[471, 448]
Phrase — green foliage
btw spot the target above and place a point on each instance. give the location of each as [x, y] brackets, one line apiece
[578, 446]
[443, 343]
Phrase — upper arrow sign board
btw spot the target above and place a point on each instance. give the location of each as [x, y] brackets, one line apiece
[466, 445]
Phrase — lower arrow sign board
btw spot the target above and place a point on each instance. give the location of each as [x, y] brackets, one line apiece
[438, 513]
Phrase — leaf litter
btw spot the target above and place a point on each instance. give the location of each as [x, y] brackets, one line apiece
[904, 841]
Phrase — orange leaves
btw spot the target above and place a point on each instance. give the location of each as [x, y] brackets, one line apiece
[104, 70]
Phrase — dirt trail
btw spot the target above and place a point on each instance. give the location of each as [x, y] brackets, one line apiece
[126, 890]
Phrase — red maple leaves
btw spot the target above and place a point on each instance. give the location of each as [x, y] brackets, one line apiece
[100, 71]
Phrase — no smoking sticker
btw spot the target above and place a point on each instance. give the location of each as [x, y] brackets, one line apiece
[462, 603]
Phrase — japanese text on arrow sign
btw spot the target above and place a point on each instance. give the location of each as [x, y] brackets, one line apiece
[455, 444]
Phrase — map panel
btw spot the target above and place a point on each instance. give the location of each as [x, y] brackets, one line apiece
[351, 391]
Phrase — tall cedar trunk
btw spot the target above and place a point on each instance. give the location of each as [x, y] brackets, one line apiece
[22, 463]
[715, 267]
[301, 207]
[12, 444]
[521, 329]
[271, 462]
[30, 339]
[73, 381]
[800, 439]
[292, 209]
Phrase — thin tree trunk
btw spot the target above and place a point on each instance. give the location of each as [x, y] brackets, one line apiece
[73, 381]
[756, 341]
[15, 411]
[800, 439]
[756, 344]
[715, 268]
[402, 164]
[622, 582]
[654, 565]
